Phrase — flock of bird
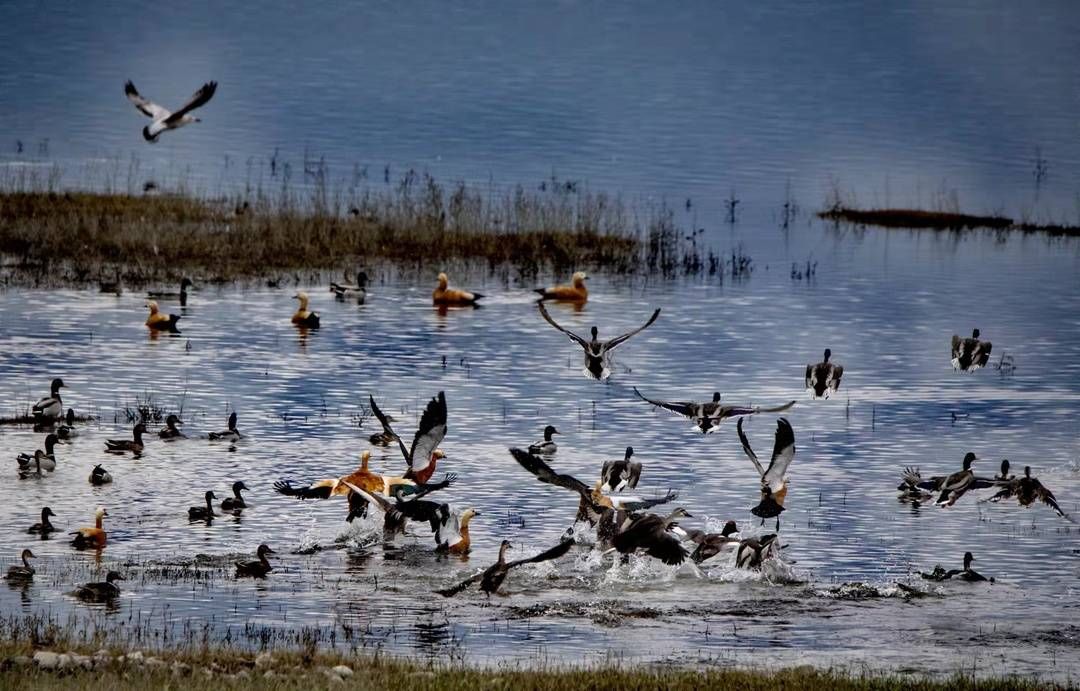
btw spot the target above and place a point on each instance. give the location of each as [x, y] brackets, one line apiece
[622, 523]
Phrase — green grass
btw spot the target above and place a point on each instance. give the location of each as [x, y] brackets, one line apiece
[224, 669]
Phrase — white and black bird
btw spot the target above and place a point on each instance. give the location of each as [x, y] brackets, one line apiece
[51, 407]
[547, 445]
[774, 478]
[615, 476]
[163, 119]
[969, 354]
[707, 416]
[597, 352]
[823, 378]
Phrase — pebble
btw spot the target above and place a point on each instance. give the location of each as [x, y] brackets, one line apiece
[46, 659]
[343, 671]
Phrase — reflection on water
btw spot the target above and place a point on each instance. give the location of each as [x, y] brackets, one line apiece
[888, 302]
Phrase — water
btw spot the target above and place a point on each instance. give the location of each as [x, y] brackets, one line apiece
[947, 103]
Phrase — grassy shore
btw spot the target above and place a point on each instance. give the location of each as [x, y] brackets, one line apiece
[26, 668]
[938, 220]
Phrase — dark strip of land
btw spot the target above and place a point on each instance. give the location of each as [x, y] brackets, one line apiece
[939, 220]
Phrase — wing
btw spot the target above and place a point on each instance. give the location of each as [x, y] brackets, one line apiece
[956, 342]
[737, 411]
[1048, 498]
[573, 336]
[638, 504]
[543, 472]
[447, 528]
[984, 483]
[376, 499]
[810, 378]
[146, 107]
[619, 340]
[684, 408]
[414, 492]
[320, 489]
[668, 549]
[749, 451]
[783, 454]
[452, 591]
[834, 381]
[197, 100]
[634, 476]
[429, 434]
[547, 555]
[382, 418]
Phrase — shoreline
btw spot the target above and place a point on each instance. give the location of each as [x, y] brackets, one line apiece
[918, 219]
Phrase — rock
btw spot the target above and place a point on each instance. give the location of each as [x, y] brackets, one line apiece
[21, 661]
[84, 661]
[343, 671]
[269, 674]
[242, 674]
[264, 660]
[180, 669]
[46, 659]
[155, 663]
[135, 658]
[207, 673]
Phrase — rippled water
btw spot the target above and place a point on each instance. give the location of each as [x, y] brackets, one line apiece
[886, 302]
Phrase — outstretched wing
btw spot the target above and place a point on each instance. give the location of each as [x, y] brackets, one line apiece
[381, 417]
[619, 340]
[320, 489]
[197, 100]
[749, 451]
[547, 555]
[543, 472]
[638, 504]
[429, 434]
[145, 106]
[454, 590]
[412, 492]
[573, 336]
[376, 499]
[1048, 498]
[737, 411]
[684, 408]
[783, 454]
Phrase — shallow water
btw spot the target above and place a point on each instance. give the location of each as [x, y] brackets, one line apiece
[886, 302]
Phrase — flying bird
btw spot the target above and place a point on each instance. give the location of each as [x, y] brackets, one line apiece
[969, 354]
[493, 576]
[597, 352]
[774, 479]
[708, 416]
[823, 378]
[1027, 490]
[162, 119]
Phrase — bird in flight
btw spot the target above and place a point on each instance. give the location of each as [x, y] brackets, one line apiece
[163, 119]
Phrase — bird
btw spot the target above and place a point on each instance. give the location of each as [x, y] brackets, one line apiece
[46, 460]
[24, 573]
[170, 432]
[774, 479]
[44, 527]
[356, 290]
[101, 591]
[823, 378]
[445, 296]
[491, 578]
[753, 551]
[302, 316]
[134, 445]
[67, 430]
[35, 468]
[100, 476]
[236, 502]
[51, 407]
[654, 535]
[577, 291]
[161, 322]
[424, 453]
[452, 532]
[597, 352]
[92, 537]
[965, 574]
[1027, 490]
[1004, 476]
[181, 295]
[258, 568]
[615, 476]
[386, 437]
[230, 434]
[162, 120]
[957, 484]
[547, 445]
[203, 513]
[398, 512]
[708, 545]
[708, 416]
[969, 354]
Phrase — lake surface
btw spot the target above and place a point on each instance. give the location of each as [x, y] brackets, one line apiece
[886, 302]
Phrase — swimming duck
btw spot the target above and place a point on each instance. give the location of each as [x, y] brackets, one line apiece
[50, 407]
[24, 573]
[753, 551]
[1027, 490]
[169, 432]
[444, 295]
[965, 574]
[711, 544]
[100, 476]
[615, 476]
[593, 504]
[45, 526]
[302, 316]
[258, 568]
[40, 461]
[654, 535]
[67, 430]
[356, 290]
[161, 322]
[547, 446]
[969, 354]
[134, 445]
[1004, 476]
[236, 502]
[101, 592]
[422, 457]
[774, 479]
[182, 296]
[162, 120]
[708, 416]
[203, 513]
[491, 578]
[34, 469]
[575, 292]
[92, 537]
[597, 352]
[824, 377]
[231, 434]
